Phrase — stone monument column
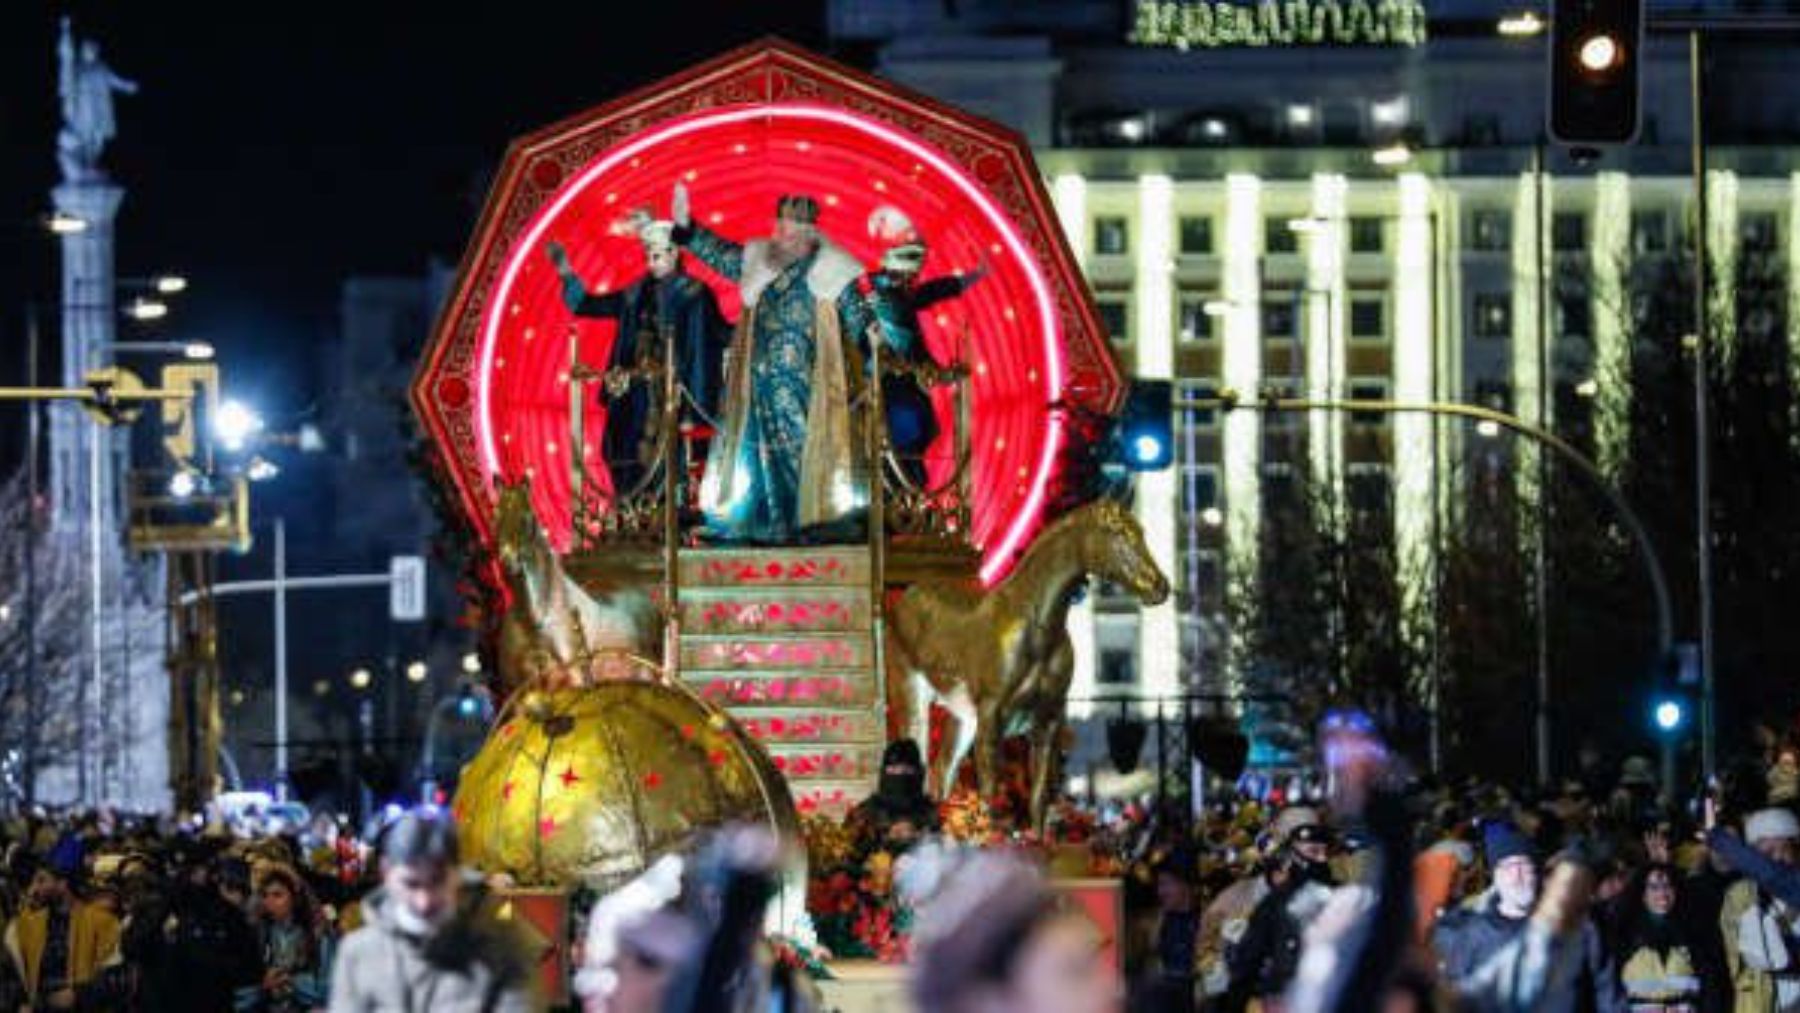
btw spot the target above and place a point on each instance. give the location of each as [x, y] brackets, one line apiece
[119, 688]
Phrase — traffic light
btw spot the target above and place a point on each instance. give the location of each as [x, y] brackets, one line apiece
[1220, 746]
[1146, 436]
[1668, 712]
[1596, 63]
[1125, 742]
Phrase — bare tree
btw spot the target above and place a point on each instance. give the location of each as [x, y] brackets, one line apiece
[39, 722]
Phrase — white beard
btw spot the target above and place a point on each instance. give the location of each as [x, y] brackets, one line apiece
[410, 923]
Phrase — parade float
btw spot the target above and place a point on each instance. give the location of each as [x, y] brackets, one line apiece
[679, 644]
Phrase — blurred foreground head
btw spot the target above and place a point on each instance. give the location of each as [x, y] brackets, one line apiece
[992, 937]
[419, 871]
[638, 937]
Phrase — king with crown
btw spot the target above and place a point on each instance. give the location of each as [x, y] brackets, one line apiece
[784, 470]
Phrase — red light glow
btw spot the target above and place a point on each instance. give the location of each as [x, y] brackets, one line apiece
[740, 131]
[845, 155]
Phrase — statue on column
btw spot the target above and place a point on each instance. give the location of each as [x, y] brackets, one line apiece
[86, 85]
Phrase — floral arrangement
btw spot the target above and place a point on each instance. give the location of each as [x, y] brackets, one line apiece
[851, 896]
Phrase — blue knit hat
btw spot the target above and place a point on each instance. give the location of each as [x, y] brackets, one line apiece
[66, 857]
[1502, 839]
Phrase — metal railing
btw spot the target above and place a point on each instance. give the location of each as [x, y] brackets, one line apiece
[651, 509]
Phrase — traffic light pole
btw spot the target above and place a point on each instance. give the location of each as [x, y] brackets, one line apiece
[1702, 411]
[1695, 28]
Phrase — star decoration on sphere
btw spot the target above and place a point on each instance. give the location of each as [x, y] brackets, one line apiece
[568, 777]
[547, 826]
[506, 791]
[653, 780]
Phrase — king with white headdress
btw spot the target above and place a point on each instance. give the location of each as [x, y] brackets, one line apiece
[665, 296]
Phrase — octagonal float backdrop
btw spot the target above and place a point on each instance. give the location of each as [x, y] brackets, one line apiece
[763, 121]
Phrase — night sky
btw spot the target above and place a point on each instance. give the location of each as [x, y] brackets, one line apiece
[276, 149]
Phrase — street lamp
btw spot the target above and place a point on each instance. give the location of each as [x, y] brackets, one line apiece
[416, 672]
[145, 309]
[1392, 155]
[184, 483]
[1521, 25]
[471, 663]
[235, 424]
[360, 678]
[198, 351]
[64, 224]
[261, 469]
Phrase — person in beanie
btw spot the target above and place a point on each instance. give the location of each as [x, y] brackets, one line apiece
[899, 812]
[1762, 932]
[59, 943]
[429, 942]
[1467, 938]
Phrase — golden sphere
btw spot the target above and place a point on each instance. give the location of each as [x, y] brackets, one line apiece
[591, 785]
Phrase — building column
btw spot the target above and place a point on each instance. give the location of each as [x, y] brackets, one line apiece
[89, 328]
[1069, 191]
[1529, 328]
[1241, 372]
[1611, 257]
[1793, 274]
[1722, 251]
[1159, 634]
[1326, 297]
[1412, 379]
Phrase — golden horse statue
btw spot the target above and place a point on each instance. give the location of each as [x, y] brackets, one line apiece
[1000, 660]
[555, 632]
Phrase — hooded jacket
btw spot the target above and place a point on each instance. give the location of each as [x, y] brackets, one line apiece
[474, 962]
[1467, 940]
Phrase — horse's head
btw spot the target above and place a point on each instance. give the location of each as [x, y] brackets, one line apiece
[1113, 549]
[517, 534]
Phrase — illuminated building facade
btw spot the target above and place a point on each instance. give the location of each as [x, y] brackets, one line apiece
[1364, 220]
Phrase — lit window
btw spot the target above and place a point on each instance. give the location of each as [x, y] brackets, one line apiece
[1367, 319]
[1112, 236]
[1368, 390]
[1196, 324]
[1568, 232]
[1649, 232]
[1574, 316]
[1196, 234]
[1758, 231]
[1493, 315]
[1279, 236]
[1490, 231]
[1198, 390]
[1495, 394]
[1278, 318]
[1391, 113]
[1116, 318]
